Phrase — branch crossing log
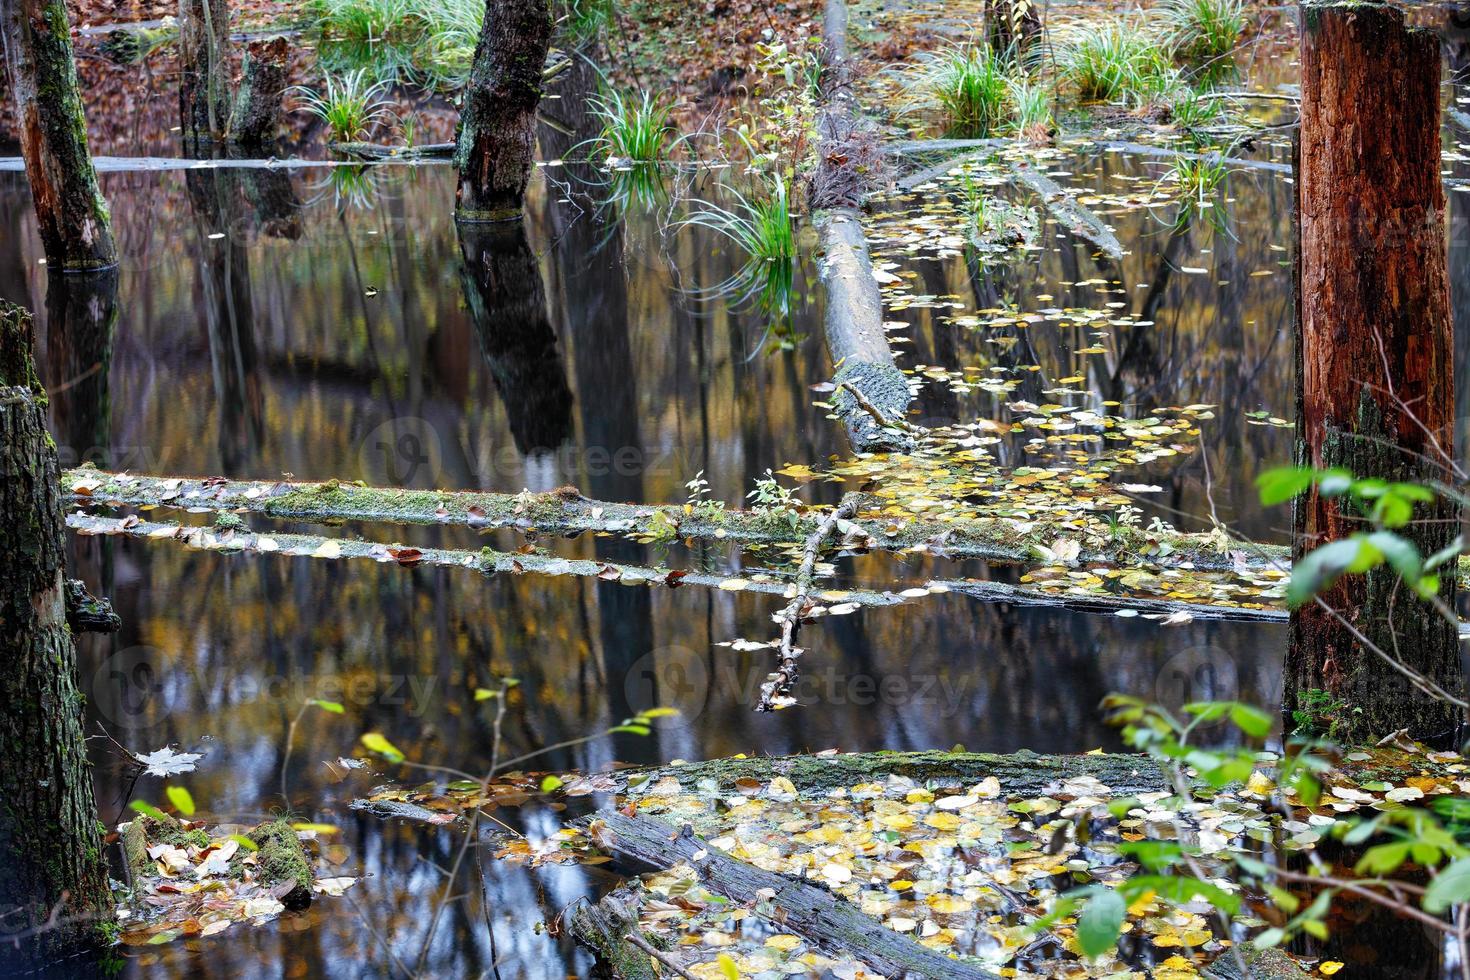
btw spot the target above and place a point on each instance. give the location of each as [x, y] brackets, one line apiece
[55, 878]
[1376, 354]
[776, 691]
[75, 226]
[832, 924]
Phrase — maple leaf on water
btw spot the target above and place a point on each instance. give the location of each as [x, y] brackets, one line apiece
[167, 762]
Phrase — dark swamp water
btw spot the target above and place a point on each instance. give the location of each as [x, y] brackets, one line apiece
[281, 322]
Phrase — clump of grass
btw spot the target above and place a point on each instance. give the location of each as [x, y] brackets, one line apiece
[1031, 106]
[585, 20]
[1189, 109]
[966, 82]
[1202, 30]
[1119, 61]
[760, 225]
[431, 41]
[351, 105]
[635, 128]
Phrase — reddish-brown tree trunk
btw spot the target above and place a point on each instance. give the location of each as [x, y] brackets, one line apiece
[75, 227]
[497, 135]
[1375, 346]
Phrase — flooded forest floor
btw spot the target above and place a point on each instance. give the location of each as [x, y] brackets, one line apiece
[450, 547]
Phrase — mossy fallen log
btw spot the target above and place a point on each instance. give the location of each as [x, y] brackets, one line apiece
[603, 927]
[828, 922]
[1021, 774]
[565, 510]
[228, 537]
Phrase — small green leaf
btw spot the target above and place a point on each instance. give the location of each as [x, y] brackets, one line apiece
[485, 694]
[1279, 485]
[245, 842]
[1101, 922]
[728, 967]
[149, 810]
[1251, 720]
[180, 798]
[331, 706]
[375, 742]
[550, 783]
[1450, 887]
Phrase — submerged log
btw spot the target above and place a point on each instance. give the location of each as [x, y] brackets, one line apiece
[1375, 349]
[204, 69]
[566, 510]
[832, 924]
[55, 884]
[73, 219]
[497, 121]
[259, 107]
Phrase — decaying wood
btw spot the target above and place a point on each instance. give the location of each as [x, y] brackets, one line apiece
[55, 879]
[853, 321]
[777, 687]
[829, 923]
[566, 510]
[383, 151]
[259, 105]
[71, 215]
[126, 165]
[204, 69]
[1063, 206]
[497, 121]
[604, 928]
[85, 613]
[1376, 361]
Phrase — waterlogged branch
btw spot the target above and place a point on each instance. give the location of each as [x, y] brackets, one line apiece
[776, 691]
[832, 924]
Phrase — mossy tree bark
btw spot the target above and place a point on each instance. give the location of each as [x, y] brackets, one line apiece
[259, 102]
[1375, 346]
[497, 136]
[204, 76]
[55, 879]
[75, 226]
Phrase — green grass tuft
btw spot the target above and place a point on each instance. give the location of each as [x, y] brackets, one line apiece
[967, 83]
[351, 105]
[1202, 30]
[1121, 60]
[634, 127]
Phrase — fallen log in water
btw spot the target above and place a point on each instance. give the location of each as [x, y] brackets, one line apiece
[231, 540]
[566, 511]
[873, 409]
[827, 922]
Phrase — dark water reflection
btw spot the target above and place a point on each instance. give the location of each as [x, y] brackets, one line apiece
[267, 323]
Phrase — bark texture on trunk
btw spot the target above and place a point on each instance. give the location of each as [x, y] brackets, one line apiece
[75, 226]
[497, 122]
[1375, 344]
[204, 75]
[48, 819]
[259, 101]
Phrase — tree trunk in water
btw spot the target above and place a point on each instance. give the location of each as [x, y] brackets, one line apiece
[502, 287]
[259, 103]
[48, 820]
[204, 75]
[75, 227]
[497, 135]
[1375, 346]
